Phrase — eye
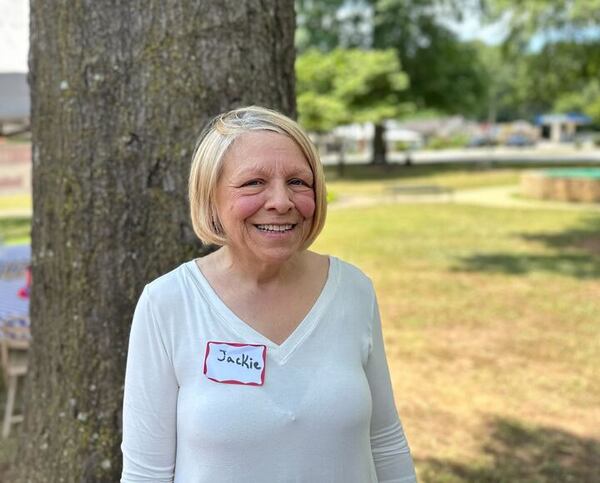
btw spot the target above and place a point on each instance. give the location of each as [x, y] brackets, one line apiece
[299, 182]
[253, 182]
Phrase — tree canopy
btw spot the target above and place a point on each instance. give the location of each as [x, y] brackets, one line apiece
[549, 61]
[444, 73]
[380, 37]
[348, 85]
[554, 51]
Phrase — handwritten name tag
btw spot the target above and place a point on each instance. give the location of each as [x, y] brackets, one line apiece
[234, 363]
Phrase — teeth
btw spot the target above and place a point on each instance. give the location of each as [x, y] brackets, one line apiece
[277, 228]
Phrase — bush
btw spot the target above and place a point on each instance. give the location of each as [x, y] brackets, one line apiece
[400, 146]
[442, 142]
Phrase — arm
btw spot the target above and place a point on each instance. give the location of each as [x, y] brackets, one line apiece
[389, 447]
[150, 402]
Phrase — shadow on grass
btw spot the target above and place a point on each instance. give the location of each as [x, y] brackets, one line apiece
[585, 238]
[516, 452]
[577, 254]
[577, 266]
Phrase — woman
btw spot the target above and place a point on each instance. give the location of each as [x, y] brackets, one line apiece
[263, 361]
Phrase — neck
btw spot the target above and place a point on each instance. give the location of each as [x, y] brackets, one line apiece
[257, 272]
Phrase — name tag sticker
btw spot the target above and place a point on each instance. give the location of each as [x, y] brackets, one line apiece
[234, 363]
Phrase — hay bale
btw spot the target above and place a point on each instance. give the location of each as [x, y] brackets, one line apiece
[571, 186]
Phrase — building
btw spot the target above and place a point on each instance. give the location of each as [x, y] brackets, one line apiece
[561, 127]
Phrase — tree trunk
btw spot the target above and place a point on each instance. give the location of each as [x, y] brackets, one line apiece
[120, 91]
[379, 146]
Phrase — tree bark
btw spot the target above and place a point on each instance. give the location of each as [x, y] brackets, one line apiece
[379, 145]
[120, 91]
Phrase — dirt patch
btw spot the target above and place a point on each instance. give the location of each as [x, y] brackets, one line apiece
[590, 245]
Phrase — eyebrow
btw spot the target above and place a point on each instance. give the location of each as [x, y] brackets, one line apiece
[257, 170]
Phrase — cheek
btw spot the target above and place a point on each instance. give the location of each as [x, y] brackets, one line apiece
[305, 204]
[245, 206]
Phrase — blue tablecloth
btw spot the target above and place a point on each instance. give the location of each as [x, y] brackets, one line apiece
[14, 310]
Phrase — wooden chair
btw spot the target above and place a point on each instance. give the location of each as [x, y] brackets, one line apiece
[14, 344]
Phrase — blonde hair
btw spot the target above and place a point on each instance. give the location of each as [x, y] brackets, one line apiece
[207, 163]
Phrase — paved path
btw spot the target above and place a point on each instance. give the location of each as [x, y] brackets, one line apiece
[508, 197]
[543, 154]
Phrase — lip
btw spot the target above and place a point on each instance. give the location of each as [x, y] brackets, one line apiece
[276, 223]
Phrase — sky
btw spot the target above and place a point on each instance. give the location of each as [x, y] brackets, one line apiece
[472, 28]
[14, 35]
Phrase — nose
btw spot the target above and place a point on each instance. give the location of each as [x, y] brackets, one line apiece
[279, 198]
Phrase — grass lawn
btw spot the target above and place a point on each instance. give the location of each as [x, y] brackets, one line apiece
[492, 331]
[15, 231]
[365, 180]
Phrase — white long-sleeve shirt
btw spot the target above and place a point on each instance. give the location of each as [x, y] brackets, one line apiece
[320, 409]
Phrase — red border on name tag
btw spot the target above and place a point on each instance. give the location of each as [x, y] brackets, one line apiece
[237, 344]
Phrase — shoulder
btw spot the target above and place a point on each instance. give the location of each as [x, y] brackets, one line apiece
[352, 280]
[351, 273]
[171, 286]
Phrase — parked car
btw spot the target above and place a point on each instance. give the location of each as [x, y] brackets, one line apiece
[519, 140]
[481, 141]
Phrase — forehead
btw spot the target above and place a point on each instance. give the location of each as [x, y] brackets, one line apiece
[264, 150]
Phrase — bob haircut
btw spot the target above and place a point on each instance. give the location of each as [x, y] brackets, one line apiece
[207, 163]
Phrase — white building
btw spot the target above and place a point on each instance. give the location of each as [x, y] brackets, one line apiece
[14, 47]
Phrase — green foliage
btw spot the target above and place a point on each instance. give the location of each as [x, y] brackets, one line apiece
[586, 100]
[348, 85]
[325, 25]
[320, 113]
[445, 74]
[547, 18]
[450, 76]
[15, 230]
[562, 73]
[457, 141]
[509, 86]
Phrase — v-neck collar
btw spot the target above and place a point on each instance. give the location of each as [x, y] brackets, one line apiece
[279, 352]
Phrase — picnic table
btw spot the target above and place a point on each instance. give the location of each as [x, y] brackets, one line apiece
[406, 189]
[419, 190]
[14, 324]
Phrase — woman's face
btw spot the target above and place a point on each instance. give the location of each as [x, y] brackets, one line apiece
[265, 197]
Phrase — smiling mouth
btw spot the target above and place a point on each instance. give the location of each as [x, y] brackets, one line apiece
[276, 228]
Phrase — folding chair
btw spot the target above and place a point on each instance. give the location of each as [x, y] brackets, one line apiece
[14, 344]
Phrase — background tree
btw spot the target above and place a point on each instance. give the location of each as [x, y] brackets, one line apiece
[444, 73]
[573, 19]
[508, 85]
[350, 86]
[587, 101]
[329, 24]
[119, 94]
[556, 48]
[320, 108]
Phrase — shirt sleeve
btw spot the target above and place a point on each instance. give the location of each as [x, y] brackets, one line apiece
[149, 403]
[391, 454]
